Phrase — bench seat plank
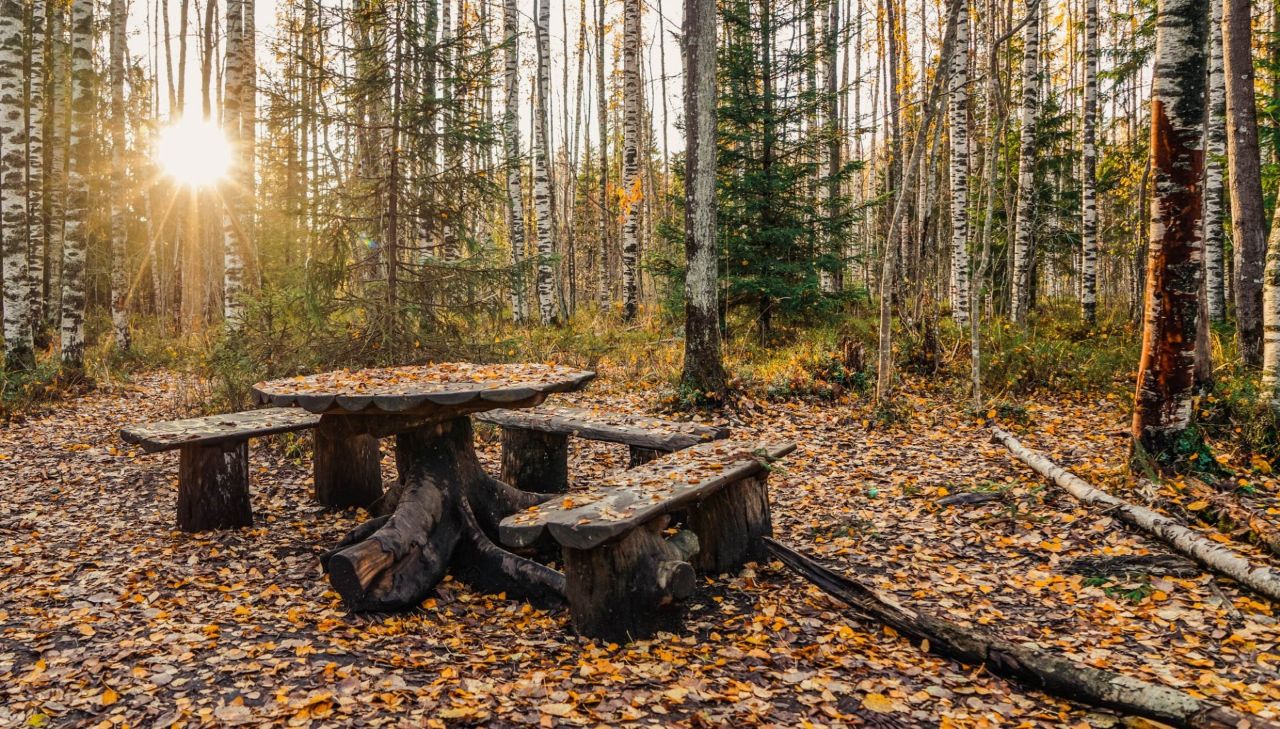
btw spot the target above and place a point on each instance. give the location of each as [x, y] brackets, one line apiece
[586, 519]
[641, 431]
[213, 429]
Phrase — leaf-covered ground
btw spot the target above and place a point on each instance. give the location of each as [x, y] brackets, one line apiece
[109, 616]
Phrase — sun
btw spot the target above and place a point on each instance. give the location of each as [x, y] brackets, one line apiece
[194, 152]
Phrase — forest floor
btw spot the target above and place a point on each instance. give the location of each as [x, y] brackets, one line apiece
[109, 616]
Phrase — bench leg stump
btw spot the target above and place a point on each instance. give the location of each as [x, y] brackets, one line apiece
[213, 487]
[630, 588]
[641, 456]
[348, 469]
[730, 524]
[535, 461]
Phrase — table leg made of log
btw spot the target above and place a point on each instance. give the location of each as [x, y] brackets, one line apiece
[213, 486]
[347, 465]
[445, 518]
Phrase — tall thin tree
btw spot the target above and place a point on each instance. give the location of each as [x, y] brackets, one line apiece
[511, 156]
[959, 120]
[1215, 153]
[77, 211]
[1247, 222]
[119, 229]
[542, 193]
[1089, 170]
[19, 350]
[632, 181]
[1023, 236]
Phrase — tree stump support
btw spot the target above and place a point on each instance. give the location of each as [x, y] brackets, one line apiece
[731, 524]
[347, 466]
[632, 587]
[535, 461]
[641, 456]
[213, 486]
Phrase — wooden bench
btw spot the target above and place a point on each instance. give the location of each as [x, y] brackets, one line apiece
[535, 442]
[213, 471]
[626, 576]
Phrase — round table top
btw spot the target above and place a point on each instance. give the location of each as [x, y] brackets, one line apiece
[422, 389]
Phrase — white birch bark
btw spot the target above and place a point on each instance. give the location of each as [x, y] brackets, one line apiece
[77, 210]
[542, 200]
[1213, 555]
[232, 95]
[959, 113]
[55, 174]
[19, 350]
[119, 231]
[1024, 227]
[36, 219]
[1271, 316]
[1089, 170]
[1215, 152]
[632, 182]
[511, 153]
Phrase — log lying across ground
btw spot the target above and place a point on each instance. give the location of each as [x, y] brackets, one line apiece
[1030, 666]
[1210, 554]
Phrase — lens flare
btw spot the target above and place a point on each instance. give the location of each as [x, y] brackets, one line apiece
[194, 152]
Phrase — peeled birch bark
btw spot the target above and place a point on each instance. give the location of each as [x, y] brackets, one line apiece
[1211, 555]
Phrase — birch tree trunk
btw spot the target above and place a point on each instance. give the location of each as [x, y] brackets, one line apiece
[1089, 170]
[542, 200]
[511, 154]
[1020, 286]
[36, 219]
[632, 182]
[1271, 317]
[1215, 153]
[55, 177]
[119, 231]
[959, 113]
[703, 372]
[836, 231]
[1247, 225]
[602, 122]
[232, 94]
[1175, 266]
[19, 350]
[77, 211]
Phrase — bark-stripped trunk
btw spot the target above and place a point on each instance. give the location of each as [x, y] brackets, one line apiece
[14, 228]
[1247, 224]
[632, 182]
[1175, 265]
[232, 94]
[81, 149]
[703, 371]
[541, 173]
[119, 240]
[1215, 153]
[36, 220]
[959, 112]
[511, 152]
[1089, 170]
[1023, 255]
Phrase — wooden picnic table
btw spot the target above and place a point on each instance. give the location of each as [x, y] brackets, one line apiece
[442, 514]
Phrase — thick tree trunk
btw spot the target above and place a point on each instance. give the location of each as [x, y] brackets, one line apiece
[445, 515]
[14, 228]
[1089, 171]
[1028, 665]
[703, 371]
[1210, 554]
[1215, 155]
[1248, 233]
[1023, 242]
[632, 183]
[959, 120]
[1163, 409]
[77, 211]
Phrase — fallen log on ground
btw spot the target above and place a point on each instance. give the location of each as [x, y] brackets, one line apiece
[1030, 666]
[1210, 554]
